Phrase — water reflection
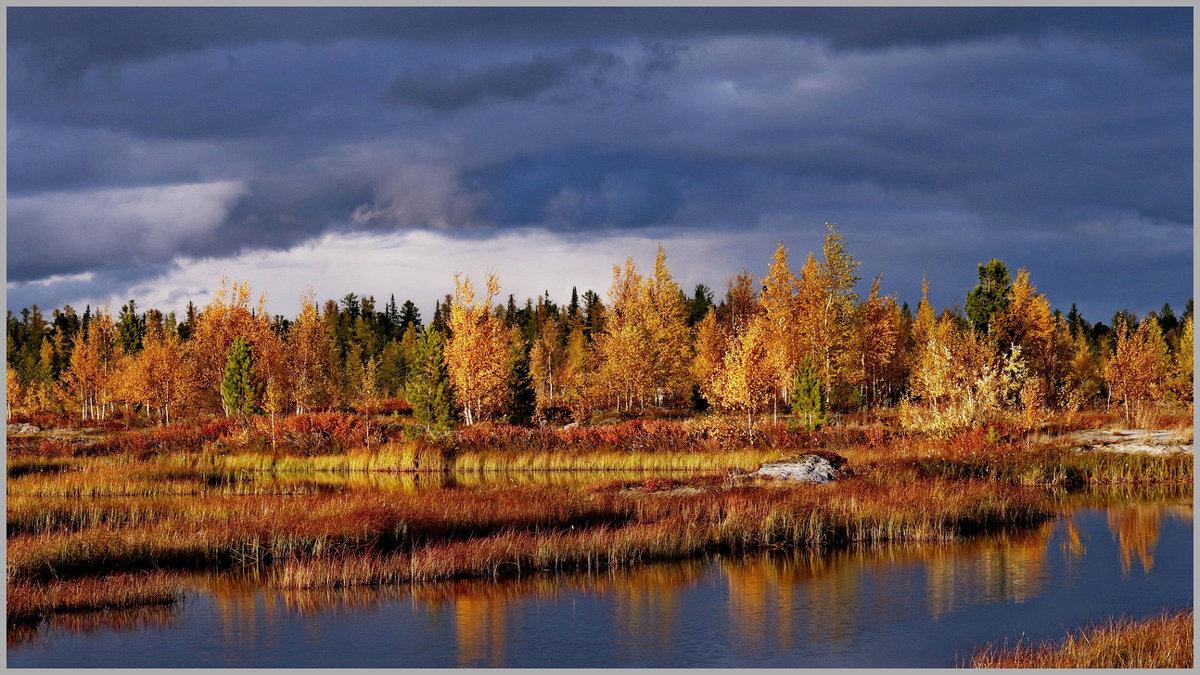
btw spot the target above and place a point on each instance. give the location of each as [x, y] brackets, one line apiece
[159, 617]
[419, 483]
[840, 605]
[825, 596]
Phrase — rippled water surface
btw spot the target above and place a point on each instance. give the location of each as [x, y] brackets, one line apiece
[881, 606]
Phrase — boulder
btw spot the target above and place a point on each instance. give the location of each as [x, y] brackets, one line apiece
[807, 469]
[1138, 441]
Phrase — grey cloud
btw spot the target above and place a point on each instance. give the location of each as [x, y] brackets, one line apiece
[445, 90]
[989, 124]
[71, 39]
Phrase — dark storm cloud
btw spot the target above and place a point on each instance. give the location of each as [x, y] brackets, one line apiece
[70, 40]
[441, 90]
[1057, 136]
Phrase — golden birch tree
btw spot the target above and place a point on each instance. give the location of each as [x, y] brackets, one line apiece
[1028, 322]
[160, 376]
[14, 393]
[780, 309]
[747, 379]
[664, 317]
[547, 364]
[742, 301]
[711, 343]
[1182, 374]
[477, 354]
[311, 357]
[94, 371]
[1137, 368]
[876, 330]
[225, 318]
[624, 344]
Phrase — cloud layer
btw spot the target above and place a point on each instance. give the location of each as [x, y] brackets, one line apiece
[1055, 139]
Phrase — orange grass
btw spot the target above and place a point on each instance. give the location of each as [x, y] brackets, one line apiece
[1163, 641]
[29, 602]
[666, 527]
[227, 532]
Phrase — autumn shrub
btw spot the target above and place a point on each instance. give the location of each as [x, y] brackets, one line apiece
[656, 483]
[392, 406]
[49, 420]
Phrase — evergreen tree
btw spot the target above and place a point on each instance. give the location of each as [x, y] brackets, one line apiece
[186, 329]
[391, 319]
[522, 398]
[990, 296]
[428, 389]
[698, 304]
[237, 387]
[132, 328]
[573, 308]
[1167, 320]
[393, 368]
[808, 396]
[593, 312]
[409, 315]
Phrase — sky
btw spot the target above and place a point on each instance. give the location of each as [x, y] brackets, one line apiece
[381, 150]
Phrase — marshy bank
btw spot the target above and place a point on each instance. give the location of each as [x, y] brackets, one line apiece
[94, 517]
[895, 604]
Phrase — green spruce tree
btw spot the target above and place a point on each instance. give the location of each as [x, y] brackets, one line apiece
[237, 387]
[428, 389]
[808, 396]
[990, 296]
[522, 398]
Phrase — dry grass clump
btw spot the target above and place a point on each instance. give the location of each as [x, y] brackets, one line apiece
[668, 527]
[223, 531]
[29, 602]
[1163, 641]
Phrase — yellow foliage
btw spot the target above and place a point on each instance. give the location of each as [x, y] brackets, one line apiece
[477, 353]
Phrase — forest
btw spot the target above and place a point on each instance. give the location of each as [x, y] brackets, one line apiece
[805, 344]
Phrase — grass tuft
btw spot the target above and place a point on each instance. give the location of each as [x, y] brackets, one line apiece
[1163, 641]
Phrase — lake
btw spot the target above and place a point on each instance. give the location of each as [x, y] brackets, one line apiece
[883, 606]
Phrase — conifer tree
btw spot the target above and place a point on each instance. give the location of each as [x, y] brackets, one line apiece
[808, 396]
[237, 387]
[522, 397]
[428, 389]
[990, 297]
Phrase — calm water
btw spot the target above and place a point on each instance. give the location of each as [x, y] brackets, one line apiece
[884, 606]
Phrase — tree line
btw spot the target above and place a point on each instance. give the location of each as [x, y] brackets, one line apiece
[805, 343]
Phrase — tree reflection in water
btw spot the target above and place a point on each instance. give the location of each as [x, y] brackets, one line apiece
[778, 602]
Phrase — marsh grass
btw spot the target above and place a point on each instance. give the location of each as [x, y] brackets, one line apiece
[30, 602]
[1163, 641]
[226, 532]
[73, 539]
[664, 528]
